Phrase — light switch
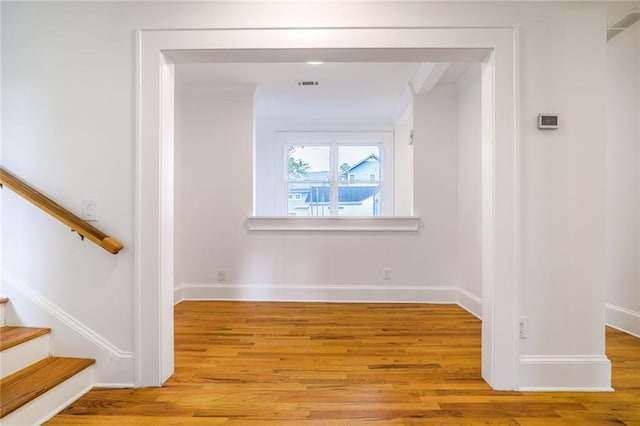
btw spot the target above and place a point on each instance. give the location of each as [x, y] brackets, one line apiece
[89, 210]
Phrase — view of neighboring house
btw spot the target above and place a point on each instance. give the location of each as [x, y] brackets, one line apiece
[367, 169]
[358, 191]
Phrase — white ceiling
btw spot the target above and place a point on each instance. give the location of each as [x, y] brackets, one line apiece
[346, 91]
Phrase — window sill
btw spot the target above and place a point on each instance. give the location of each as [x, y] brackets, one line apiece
[350, 224]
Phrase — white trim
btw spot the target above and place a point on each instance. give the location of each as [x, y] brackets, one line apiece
[331, 293]
[139, 314]
[516, 214]
[71, 322]
[178, 294]
[114, 385]
[566, 389]
[428, 77]
[334, 140]
[470, 303]
[623, 319]
[500, 344]
[167, 205]
[3, 321]
[318, 293]
[331, 223]
[556, 373]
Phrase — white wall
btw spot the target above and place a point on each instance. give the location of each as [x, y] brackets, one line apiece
[68, 102]
[435, 175]
[623, 181]
[215, 143]
[68, 129]
[469, 132]
[403, 163]
[562, 198]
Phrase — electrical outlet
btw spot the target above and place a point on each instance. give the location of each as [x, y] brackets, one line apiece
[523, 327]
[387, 273]
[221, 275]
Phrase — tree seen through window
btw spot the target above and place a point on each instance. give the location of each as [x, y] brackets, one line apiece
[333, 180]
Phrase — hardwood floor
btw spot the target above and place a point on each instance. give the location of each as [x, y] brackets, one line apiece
[345, 364]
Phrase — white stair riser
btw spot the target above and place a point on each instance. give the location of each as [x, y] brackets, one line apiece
[23, 355]
[3, 320]
[52, 402]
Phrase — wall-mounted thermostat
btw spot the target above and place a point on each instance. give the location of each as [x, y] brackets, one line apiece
[547, 121]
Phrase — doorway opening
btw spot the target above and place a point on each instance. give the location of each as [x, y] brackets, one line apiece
[155, 221]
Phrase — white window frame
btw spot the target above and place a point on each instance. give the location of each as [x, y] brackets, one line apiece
[382, 139]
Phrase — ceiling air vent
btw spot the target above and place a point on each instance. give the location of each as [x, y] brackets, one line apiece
[307, 83]
[627, 21]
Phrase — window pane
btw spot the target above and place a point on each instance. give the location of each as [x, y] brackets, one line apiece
[310, 199]
[361, 199]
[359, 163]
[308, 162]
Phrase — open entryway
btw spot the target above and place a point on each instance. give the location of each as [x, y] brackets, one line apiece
[160, 51]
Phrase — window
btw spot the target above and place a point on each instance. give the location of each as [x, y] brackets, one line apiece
[337, 176]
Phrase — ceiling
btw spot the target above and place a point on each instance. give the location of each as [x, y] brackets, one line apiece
[345, 91]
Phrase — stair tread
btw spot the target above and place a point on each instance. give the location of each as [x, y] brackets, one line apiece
[13, 336]
[33, 381]
[4, 300]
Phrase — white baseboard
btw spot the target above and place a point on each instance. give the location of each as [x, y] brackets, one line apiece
[317, 293]
[337, 294]
[470, 303]
[331, 293]
[114, 385]
[623, 319]
[178, 294]
[2, 315]
[562, 373]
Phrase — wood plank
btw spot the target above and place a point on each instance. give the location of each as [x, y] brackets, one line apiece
[27, 384]
[13, 336]
[345, 364]
[3, 300]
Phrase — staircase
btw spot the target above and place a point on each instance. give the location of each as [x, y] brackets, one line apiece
[34, 385]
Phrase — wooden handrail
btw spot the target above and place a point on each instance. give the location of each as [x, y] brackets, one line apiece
[77, 224]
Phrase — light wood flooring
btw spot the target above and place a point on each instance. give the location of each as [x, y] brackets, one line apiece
[244, 363]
